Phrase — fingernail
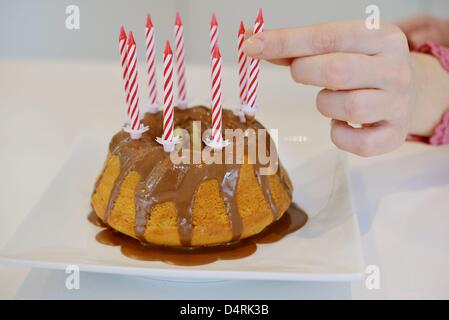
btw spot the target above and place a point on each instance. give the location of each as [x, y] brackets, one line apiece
[253, 46]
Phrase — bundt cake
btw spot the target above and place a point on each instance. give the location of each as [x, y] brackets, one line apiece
[142, 193]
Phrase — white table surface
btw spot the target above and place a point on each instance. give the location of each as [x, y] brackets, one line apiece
[401, 199]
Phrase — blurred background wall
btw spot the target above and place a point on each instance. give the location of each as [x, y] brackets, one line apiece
[36, 28]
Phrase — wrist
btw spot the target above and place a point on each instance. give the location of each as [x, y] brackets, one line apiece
[431, 94]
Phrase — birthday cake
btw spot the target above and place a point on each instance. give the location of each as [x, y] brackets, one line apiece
[174, 177]
[144, 194]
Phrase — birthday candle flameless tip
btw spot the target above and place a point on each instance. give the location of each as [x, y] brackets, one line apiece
[182, 102]
[150, 55]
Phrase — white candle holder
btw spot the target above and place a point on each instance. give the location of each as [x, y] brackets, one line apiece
[250, 111]
[153, 107]
[213, 144]
[135, 134]
[169, 146]
[182, 104]
[238, 111]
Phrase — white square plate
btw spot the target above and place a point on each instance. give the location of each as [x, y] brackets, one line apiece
[56, 232]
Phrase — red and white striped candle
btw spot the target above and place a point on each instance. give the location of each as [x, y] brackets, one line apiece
[123, 59]
[168, 140]
[180, 62]
[243, 66]
[216, 138]
[135, 128]
[151, 66]
[213, 35]
[243, 69]
[168, 94]
[251, 99]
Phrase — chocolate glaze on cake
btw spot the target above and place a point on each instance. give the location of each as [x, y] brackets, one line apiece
[162, 180]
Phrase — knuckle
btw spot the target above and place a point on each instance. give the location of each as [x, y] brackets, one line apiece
[402, 113]
[324, 39]
[365, 147]
[401, 136]
[393, 37]
[336, 73]
[321, 102]
[399, 77]
[354, 108]
[334, 136]
[281, 45]
[294, 74]
[398, 137]
[293, 71]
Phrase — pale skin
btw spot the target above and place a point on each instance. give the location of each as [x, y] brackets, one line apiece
[420, 29]
[369, 77]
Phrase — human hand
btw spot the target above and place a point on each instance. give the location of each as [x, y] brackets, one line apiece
[420, 29]
[367, 77]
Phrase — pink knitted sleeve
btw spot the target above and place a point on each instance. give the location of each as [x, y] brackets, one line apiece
[441, 133]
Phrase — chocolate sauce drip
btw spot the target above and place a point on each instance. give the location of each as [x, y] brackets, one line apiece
[145, 198]
[292, 220]
[228, 190]
[130, 153]
[95, 220]
[162, 180]
[265, 185]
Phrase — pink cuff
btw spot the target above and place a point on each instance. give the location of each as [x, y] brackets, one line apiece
[441, 134]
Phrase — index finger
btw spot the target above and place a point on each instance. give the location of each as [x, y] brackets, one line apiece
[280, 61]
[344, 36]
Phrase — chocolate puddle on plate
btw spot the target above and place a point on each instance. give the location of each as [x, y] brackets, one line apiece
[293, 219]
